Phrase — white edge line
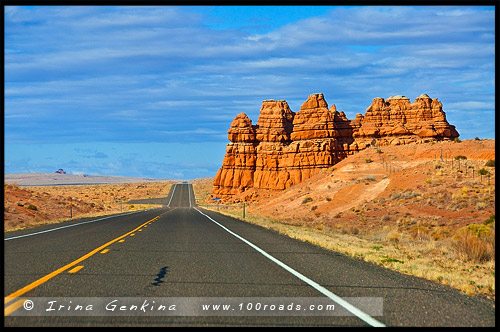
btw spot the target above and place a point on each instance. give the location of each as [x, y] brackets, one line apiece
[82, 223]
[173, 191]
[360, 314]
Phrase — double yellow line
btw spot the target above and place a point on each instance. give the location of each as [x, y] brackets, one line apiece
[16, 305]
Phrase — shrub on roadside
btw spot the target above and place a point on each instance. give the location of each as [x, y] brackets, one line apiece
[474, 243]
[393, 236]
[490, 163]
[419, 233]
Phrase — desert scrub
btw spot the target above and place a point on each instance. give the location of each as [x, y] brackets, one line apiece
[32, 207]
[369, 178]
[490, 220]
[490, 163]
[475, 243]
[307, 200]
[437, 181]
[419, 233]
[353, 230]
[481, 205]
[483, 171]
[393, 237]
[387, 259]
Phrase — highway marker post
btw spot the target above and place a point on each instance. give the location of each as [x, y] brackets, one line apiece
[217, 200]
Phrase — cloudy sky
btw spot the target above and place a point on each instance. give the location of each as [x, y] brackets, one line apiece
[151, 91]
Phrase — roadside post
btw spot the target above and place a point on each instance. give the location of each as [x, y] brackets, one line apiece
[217, 200]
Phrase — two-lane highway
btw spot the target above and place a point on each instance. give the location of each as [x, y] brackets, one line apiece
[182, 251]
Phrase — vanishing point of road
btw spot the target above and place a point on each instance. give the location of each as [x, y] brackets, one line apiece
[182, 252]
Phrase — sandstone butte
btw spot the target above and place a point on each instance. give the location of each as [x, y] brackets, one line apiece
[285, 148]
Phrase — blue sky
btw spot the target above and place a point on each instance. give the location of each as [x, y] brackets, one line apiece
[151, 91]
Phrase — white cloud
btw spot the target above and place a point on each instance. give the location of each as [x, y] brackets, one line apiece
[138, 74]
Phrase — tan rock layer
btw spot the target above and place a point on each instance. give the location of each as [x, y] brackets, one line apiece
[285, 148]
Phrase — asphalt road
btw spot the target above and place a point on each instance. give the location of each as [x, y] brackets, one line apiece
[181, 254]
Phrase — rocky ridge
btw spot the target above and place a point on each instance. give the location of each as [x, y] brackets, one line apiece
[285, 148]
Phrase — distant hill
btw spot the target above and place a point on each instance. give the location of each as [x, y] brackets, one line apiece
[54, 179]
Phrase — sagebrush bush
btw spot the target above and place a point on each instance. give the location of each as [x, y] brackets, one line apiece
[386, 218]
[483, 171]
[490, 163]
[393, 236]
[307, 200]
[490, 220]
[419, 232]
[474, 243]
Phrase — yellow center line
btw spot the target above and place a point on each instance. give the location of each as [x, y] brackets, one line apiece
[49, 276]
[76, 269]
[104, 251]
[13, 307]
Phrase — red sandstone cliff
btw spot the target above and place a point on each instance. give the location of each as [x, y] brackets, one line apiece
[285, 148]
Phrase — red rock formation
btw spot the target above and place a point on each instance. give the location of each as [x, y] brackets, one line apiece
[238, 166]
[284, 147]
[397, 121]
